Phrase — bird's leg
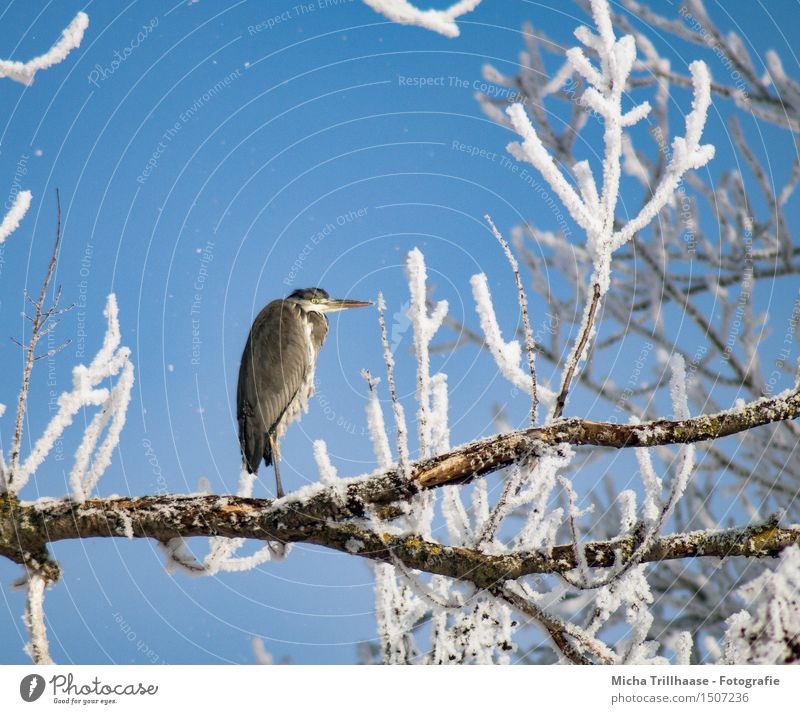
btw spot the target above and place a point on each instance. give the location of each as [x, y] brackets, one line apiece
[276, 457]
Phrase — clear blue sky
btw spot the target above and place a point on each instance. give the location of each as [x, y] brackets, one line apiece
[212, 156]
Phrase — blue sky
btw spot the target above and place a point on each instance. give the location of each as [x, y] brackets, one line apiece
[212, 156]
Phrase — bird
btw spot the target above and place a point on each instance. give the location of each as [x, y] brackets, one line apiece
[276, 374]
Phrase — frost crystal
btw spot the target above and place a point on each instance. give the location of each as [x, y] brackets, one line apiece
[71, 38]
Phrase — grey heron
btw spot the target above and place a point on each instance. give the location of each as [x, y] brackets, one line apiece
[276, 375]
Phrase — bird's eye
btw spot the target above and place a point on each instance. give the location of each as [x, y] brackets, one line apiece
[315, 300]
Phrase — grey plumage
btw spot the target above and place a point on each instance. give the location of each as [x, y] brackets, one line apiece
[276, 375]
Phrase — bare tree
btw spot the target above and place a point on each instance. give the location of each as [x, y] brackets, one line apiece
[530, 557]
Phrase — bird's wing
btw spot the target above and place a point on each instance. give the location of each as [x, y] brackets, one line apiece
[274, 365]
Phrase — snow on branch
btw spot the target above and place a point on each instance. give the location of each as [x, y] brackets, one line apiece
[71, 37]
[397, 408]
[110, 361]
[327, 471]
[595, 210]
[523, 306]
[221, 556]
[406, 13]
[376, 423]
[15, 215]
[506, 355]
[38, 648]
[771, 635]
[687, 154]
[425, 327]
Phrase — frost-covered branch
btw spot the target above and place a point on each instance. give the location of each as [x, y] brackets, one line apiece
[91, 459]
[530, 347]
[71, 37]
[167, 517]
[592, 209]
[15, 214]
[570, 640]
[404, 12]
[772, 634]
[38, 648]
[425, 327]
[397, 408]
[506, 354]
[41, 316]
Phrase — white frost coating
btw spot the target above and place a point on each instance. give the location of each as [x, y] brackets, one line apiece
[111, 360]
[260, 652]
[377, 425]
[632, 592]
[127, 523]
[574, 514]
[397, 611]
[15, 214]
[221, 552]
[627, 508]
[687, 154]
[506, 355]
[632, 164]
[327, 471]
[681, 643]
[440, 431]
[455, 516]
[354, 545]
[686, 453]
[480, 634]
[677, 387]
[397, 607]
[558, 81]
[71, 38]
[587, 185]
[178, 555]
[441, 21]
[37, 648]
[425, 327]
[652, 486]
[480, 505]
[768, 634]
[114, 410]
[541, 526]
[533, 151]
[595, 210]
[397, 408]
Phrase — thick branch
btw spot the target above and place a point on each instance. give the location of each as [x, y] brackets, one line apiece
[164, 517]
[26, 527]
[481, 457]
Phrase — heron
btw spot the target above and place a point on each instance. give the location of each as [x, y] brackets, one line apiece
[276, 375]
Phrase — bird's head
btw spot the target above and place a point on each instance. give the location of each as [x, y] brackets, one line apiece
[318, 300]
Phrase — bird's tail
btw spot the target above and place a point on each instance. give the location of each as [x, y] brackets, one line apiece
[255, 447]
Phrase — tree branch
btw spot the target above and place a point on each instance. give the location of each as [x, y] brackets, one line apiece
[39, 320]
[26, 528]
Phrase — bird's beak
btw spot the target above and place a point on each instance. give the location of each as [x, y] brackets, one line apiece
[334, 305]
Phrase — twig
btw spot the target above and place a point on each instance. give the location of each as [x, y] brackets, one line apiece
[580, 346]
[523, 306]
[39, 321]
[499, 512]
[558, 629]
[399, 415]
